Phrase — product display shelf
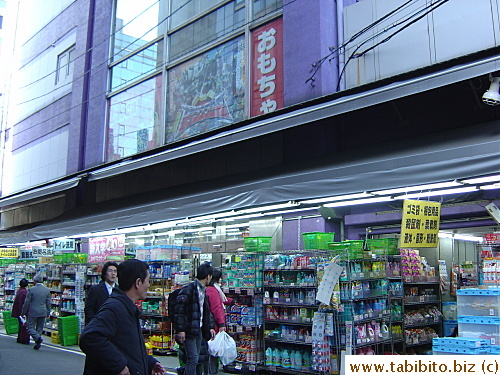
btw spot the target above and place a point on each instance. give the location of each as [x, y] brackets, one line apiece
[422, 303]
[155, 323]
[53, 282]
[290, 282]
[242, 282]
[2, 287]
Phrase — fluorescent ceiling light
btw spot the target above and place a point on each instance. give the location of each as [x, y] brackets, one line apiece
[482, 180]
[438, 185]
[462, 237]
[490, 187]
[437, 192]
[338, 198]
[267, 208]
[358, 201]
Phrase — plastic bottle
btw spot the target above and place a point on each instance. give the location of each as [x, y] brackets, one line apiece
[285, 359]
[297, 360]
[306, 361]
[276, 357]
[269, 356]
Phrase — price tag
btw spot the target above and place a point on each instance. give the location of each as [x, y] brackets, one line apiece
[492, 311]
[250, 292]
[225, 290]
[239, 329]
[361, 274]
[238, 367]
[251, 367]
[422, 298]
[237, 290]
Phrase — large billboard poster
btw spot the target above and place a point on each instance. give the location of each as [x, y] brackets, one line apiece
[207, 92]
[102, 249]
[267, 68]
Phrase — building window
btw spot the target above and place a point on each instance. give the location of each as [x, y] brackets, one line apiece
[65, 64]
[263, 7]
[183, 10]
[208, 28]
[135, 120]
[206, 92]
[136, 66]
[136, 23]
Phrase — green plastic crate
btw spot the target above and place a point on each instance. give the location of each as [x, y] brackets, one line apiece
[317, 240]
[67, 340]
[346, 249]
[383, 246]
[11, 326]
[258, 243]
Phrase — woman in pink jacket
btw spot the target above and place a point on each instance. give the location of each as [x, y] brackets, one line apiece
[217, 301]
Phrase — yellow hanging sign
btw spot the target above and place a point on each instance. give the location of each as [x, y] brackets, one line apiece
[420, 224]
[9, 252]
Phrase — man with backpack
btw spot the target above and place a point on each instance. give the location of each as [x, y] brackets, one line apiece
[193, 320]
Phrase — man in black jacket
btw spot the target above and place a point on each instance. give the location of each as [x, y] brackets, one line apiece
[113, 341]
[193, 321]
[99, 293]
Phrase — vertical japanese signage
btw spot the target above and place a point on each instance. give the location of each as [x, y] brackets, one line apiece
[267, 68]
[102, 249]
[420, 224]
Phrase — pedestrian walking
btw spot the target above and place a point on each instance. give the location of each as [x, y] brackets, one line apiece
[23, 337]
[193, 321]
[99, 293]
[38, 304]
[113, 341]
[216, 301]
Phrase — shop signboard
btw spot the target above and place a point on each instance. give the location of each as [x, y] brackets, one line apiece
[41, 251]
[420, 224]
[267, 68]
[9, 252]
[67, 244]
[102, 249]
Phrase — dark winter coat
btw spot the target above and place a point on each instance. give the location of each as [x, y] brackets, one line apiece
[97, 295]
[113, 339]
[187, 313]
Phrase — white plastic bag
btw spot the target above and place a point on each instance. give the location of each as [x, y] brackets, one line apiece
[229, 352]
[224, 347]
[215, 345]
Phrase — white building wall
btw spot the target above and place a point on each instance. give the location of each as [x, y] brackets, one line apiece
[457, 28]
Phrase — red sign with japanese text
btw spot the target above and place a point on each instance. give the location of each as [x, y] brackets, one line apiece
[102, 249]
[267, 68]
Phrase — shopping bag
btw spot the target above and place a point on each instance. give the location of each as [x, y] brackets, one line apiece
[229, 352]
[215, 345]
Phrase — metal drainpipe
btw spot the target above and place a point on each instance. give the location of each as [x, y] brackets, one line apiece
[340, 41]
[86, 86]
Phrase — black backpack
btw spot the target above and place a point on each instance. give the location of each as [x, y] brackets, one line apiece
[171, 302]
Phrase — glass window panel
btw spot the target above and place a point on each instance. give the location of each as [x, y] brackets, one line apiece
[207, 29]
[183, 10]
[263, 7]
[136, 66]
[135, 120]
[207, 92]
[136, 23]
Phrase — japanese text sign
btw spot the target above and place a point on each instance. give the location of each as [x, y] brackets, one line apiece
[9, 252]
[267, 68]
[420, 224]
[104, 248]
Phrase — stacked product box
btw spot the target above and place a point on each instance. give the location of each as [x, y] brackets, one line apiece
[479, 314]
[459, 346]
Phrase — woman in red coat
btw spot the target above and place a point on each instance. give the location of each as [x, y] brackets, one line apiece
[23, 336]
[216, 301]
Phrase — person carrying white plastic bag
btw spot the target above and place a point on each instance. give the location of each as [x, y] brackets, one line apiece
[224, 347]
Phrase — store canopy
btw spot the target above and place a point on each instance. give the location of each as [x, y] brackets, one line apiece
[43, 191]
[311, 113]
[456, 154]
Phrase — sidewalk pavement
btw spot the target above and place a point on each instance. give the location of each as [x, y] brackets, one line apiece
[169, 362]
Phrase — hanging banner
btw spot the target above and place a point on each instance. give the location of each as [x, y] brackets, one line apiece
[267, 68]
[9, 252]
[63, 245]
[102, 249]
[420, 224]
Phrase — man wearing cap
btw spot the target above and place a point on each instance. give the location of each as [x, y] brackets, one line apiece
[38, 303]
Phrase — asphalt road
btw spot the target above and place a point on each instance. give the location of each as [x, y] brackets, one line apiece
[17, 359]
